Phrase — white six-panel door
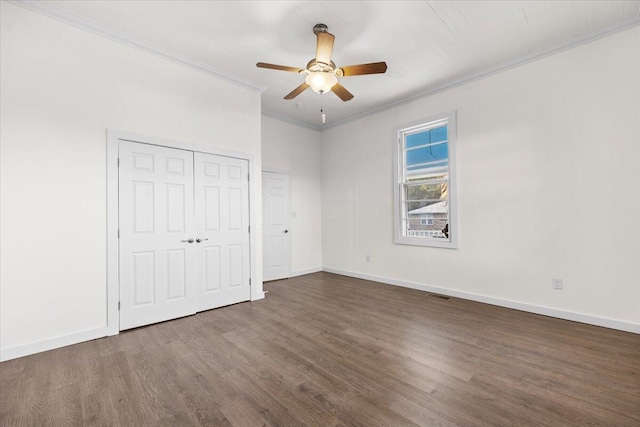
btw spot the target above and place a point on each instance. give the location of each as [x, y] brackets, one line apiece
[276, 240]
[184, 233]
[157, 274]
[222, 225]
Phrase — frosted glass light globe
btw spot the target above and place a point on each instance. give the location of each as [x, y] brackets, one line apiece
[321, 81]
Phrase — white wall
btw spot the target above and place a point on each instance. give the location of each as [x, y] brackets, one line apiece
[548, 186]
[294, 149]
[61, 89]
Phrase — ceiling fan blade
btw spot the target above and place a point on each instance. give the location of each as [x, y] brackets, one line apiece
[360, 69]
[342, 93]
[324, 48]
[278, 67]
[297, 91]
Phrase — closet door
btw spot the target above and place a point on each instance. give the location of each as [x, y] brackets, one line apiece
[222, 230]
[157, 272]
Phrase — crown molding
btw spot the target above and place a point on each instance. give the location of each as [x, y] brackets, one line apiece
[49, 10]
[499, 68]
[291, 122]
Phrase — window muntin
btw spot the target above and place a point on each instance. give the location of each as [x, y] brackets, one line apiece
[424, 201]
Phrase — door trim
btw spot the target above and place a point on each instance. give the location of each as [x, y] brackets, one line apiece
[113, 138]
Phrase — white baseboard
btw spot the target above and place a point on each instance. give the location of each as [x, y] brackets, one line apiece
[63, 341]
[305, 271]
[52, 343]
[259, 296]
[537, 309]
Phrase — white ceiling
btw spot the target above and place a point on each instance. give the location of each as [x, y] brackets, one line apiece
[427, 44]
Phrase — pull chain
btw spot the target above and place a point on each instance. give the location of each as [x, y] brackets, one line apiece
[324, 118]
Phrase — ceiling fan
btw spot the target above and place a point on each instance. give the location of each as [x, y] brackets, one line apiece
[322, 73]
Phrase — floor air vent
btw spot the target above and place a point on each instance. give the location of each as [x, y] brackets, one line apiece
[440, 296]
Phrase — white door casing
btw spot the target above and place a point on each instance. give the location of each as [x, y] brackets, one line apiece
[276, 227]
[222, 226]
[156, 218]
[115, 215]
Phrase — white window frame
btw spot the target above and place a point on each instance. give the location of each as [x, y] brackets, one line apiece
[398, 184]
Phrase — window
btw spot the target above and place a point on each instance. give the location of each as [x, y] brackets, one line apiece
[426, 219]
[425, 183]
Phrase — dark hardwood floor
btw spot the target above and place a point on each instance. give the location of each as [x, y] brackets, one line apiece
[327, 350]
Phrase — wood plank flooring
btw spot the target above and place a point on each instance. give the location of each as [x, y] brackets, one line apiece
[327, 350]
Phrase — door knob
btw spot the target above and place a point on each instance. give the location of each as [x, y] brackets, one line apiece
[286, 231]
[198, 240]
[187, 241]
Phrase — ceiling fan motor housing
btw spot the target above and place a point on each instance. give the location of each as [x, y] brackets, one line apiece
[314, 66]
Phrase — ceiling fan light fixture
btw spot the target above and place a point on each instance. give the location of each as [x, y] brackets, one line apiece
[322, 73]
[321, 81]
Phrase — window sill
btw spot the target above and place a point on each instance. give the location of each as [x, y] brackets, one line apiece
[421, 241]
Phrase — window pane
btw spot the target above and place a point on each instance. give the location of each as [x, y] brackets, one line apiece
[416, 206]
[427, 162]
[421, 156]
[436, 220]
[426, 192]
[432, 153]
[439, 134]
[427, 210]
[415, 227]
[426, 137]
[416, 139]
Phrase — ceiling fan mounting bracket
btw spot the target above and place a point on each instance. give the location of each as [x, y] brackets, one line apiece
[320, 28]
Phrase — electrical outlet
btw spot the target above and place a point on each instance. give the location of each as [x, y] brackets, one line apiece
[367, 258]
[556, 284]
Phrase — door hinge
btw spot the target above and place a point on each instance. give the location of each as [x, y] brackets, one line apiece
[249, 280]
[118, 305]
[248, 177]
[249, 229]
[118, 233]
[118, 161]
